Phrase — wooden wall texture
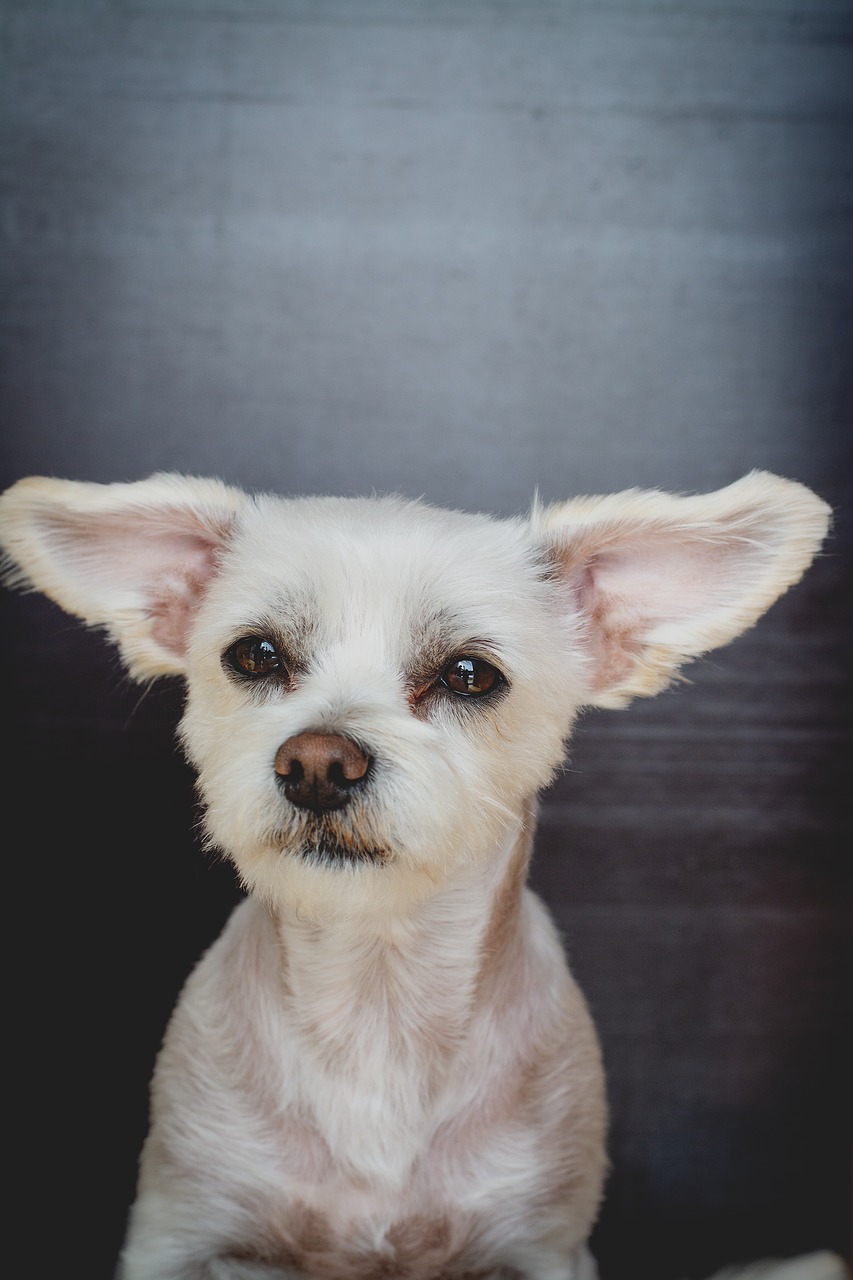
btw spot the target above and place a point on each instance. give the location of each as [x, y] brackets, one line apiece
[464, 249]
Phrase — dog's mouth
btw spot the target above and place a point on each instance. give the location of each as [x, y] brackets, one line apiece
[324, 842]
[330, 840]
[325, 850]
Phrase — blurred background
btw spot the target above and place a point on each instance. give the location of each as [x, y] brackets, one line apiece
[465, 249]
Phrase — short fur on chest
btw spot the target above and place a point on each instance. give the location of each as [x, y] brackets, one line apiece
[383, 1067]
[376, 1111]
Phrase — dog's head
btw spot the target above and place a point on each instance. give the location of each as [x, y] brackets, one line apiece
[375, 687]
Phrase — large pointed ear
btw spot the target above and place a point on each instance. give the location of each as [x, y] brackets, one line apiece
[133, 558]
[658, 579]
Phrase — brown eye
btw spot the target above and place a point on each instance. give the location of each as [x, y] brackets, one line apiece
[472, 677]
[254, 656]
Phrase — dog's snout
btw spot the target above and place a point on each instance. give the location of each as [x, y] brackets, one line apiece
[320, 770]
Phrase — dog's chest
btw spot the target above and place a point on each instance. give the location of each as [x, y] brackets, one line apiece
[355, 1137]
[395, 1183]
[433, 1224]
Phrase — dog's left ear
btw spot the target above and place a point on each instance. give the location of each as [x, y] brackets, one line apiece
[134, 558]
[655, 579]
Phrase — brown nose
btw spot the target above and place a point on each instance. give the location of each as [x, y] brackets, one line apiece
[320, 770]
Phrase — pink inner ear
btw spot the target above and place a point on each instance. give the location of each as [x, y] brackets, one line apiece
[628, 590]
[662, 579]
[175, 589]
[156, 565]
[674, 577]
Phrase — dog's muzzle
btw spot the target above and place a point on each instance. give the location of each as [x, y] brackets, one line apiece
[321, 771]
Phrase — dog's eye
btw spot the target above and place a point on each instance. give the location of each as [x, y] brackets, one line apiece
[471, 677]
[254, 656]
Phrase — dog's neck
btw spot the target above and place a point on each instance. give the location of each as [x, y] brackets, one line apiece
[395, 1003]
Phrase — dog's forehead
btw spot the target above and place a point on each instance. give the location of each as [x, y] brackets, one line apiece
[386, 562]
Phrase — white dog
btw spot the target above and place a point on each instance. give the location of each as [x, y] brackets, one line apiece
[383, 1067]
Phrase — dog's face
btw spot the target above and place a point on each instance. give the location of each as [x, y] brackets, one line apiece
[375, 688]
[436, 642]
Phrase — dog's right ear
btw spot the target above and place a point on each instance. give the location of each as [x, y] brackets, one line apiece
[133, 558]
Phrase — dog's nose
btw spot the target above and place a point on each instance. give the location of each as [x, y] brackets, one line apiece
[320, 770]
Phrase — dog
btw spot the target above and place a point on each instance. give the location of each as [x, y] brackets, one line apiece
[383, 1066]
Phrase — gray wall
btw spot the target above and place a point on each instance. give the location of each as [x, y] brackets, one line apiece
[468, 250]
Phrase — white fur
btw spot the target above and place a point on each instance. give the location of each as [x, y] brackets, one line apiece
[383, 1065]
